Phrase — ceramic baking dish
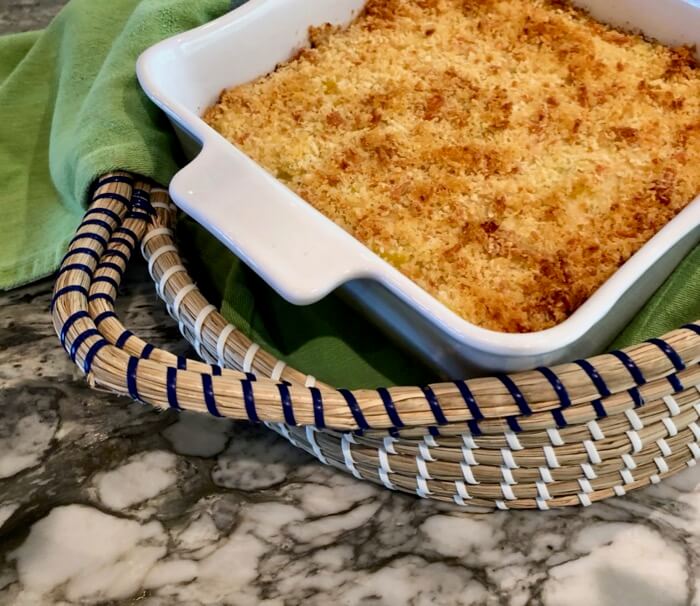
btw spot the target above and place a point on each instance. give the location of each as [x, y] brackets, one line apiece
[304, 256]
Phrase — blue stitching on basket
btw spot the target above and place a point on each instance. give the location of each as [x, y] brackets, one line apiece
[115, 179]
[128, 232]
[104, 211]
[131, 385]
[78, 315]
[112, 196]
[92, 352]
[102, 295]
[123, 338]
[557, 385]
[393, 432]
[518, 396]
[251, 377]
[209, 400]
[147, 351]
[81, 250]
[286, 404]
[513, 424]
[75, 267]
[108, 279]
[559, 418]
[694, 327]
[433, 431]
[469, 400]
[675, 383]
[91, 236]
[390, 407]
[317, 401]
[354, 408]
[600, 411]
[636, 397]
[671, 353]
[99, 222]
[434, 405]
[123, 242]
[80, 339]
[474, 428]
[112, 266]
[593, 375]
[103, 316]
[631, 367]
[171, 386]
[116, 253]
[249, 401]
[216, 370]
[181, 363]
[138, 216]
[65, 290]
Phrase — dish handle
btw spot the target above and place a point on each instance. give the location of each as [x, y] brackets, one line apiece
[294, 248]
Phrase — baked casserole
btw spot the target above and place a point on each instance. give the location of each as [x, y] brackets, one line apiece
[508, 156]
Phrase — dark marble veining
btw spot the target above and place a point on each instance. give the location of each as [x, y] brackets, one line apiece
[104, 501]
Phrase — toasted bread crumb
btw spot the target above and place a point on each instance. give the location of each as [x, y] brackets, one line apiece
[506, 155]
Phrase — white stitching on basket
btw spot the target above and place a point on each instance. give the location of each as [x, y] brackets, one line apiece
[469, 441]
[634, 419]
[311, 439]
[384, 460]
[221, 344]
[384, 477]
[468, 473]
[167, 274]
[198, 324]
[588, 471]
[629, 461]
[507, 475]
[543, 491]
[671, 427]
[513, 441]
[154, 233]
[468, 455]
[554, 436]
[661, 464]
[423, 468]
[347, 456]
[592, 451]
[672, 405]
[619, 490]
[596, 431]
[310, 381]
[278, 370]
[507, 491]
[166, 248]
[635, 440]
[627, 476]
[508, 458]
[584, 499]
[462, 491]
[429, 440]
[422, 489]
[546, 475]
[664, 447]
[425, 452]
[389, 444]
[179, 298]
[250, 356]
[551, 457]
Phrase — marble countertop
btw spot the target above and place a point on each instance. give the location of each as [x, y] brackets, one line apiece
[107, 501]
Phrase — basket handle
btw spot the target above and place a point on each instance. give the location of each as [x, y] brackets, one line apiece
[302, 254]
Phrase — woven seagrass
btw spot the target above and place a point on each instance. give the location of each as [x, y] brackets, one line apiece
[567, 435]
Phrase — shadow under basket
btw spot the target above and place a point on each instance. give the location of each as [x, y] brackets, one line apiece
[550, 437]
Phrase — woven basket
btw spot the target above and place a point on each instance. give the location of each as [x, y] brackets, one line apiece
[568, 435]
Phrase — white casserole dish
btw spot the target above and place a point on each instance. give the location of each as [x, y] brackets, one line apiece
[304, 256]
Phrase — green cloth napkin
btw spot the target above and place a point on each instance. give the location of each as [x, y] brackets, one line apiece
[71, 110]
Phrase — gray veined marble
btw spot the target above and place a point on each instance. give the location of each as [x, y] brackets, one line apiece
[107, 501]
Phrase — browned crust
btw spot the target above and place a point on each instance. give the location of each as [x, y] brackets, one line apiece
[507, 155]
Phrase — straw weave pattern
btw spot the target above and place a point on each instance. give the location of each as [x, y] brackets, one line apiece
[566, 435]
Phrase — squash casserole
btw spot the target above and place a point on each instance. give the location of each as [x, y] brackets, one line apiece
[507, 156]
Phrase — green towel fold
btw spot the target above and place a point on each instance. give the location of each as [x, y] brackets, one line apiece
[71, 109]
